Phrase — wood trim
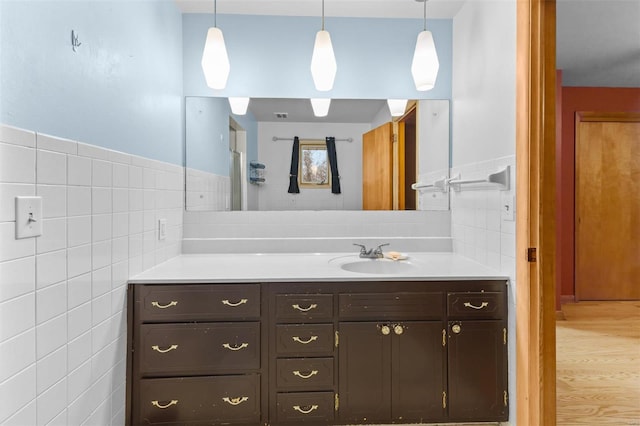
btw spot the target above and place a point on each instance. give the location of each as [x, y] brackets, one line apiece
[535, 224]
[619, 117]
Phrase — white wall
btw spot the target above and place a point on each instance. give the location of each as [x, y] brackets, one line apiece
[62, 294]
[484, 98]
[484, 81]
[276, 156]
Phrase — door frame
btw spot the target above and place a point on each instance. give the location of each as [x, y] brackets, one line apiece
[535, 222]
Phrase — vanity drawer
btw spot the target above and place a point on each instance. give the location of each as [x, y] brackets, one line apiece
[305, 407]
[214, 400]
[379, 306]
[304, 307]
[304, 373]
[304, 339]
[162, 303]
[486, 305]
[170, 349]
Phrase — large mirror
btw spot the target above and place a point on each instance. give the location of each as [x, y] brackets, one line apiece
[245, 162]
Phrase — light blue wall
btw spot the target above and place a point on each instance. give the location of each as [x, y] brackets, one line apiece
[270, 56]
[207, 130]
[122, 89]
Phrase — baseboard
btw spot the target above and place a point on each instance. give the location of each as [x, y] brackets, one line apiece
[567, 298]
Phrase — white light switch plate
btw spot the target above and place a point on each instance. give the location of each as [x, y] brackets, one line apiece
[28, 217]
[162, 229]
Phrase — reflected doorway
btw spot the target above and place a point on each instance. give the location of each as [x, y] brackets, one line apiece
[237, 166]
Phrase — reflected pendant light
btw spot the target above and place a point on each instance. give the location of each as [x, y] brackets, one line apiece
[424, 67]
[323, 61]
[320, 106]
[397, 106]
[239, 105]
[215, 62]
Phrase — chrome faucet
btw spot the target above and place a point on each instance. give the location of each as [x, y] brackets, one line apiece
[371, 253]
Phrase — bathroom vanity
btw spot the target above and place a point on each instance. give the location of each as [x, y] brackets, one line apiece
[211, 344]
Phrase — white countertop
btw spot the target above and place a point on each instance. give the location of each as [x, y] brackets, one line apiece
[287, 267]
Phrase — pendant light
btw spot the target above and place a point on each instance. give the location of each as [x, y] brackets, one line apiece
[320, 106]
[397, 107]
[424, 67]
[239, 105]
[215, 62]
[323, 61]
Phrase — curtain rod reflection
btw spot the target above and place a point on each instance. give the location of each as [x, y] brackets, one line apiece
[276, 138]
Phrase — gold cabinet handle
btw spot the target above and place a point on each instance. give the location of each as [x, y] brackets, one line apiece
[164, 351]
[305, 376]
[303, 411]
[398, 329]
[157, 404]
[456, 328]
[472, 306]
[301, 309]
[235, 401]
[385, 330]
[305, 342]
[233, 305]
[236, 347]
[168, 305]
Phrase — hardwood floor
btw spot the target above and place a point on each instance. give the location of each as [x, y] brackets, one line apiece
[598, 364]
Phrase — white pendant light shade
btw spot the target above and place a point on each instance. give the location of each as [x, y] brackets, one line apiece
[323, 62]
[239, 105]
[425, 65]
[397, 107]
[215, 62]
[320, 106]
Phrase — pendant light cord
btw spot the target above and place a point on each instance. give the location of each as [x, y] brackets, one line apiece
[215, 13]
[322, 15]
[425, 15]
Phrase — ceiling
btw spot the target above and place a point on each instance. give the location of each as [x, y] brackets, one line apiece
[299, 110]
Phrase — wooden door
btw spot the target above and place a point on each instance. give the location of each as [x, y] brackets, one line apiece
[364, 364]
[377, 168]
[477, 356]
[607, 206]
[417, 376]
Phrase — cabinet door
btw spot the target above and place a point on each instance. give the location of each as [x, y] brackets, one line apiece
[364, 363]
[477, 354]
[418, 359]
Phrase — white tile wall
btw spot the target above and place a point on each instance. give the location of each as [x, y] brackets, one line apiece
[207, 191]
[62, 295]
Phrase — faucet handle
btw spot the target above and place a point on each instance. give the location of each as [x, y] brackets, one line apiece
[378, 249]
[363, 248]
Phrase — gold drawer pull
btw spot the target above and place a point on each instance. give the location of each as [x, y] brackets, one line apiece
[168, 305]
[470, 305]
[236, 347]
[303, 411]
[229, 303]
[305, 376]
[157, 404]
[164, 351]
[305, 342]
[235, 401]
[301, 309]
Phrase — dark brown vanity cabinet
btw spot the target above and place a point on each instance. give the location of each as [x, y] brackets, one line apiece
[477, 356]
[317, 353]
[195, 354]
[391, 368]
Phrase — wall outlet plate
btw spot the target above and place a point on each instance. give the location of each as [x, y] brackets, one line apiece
[508, 207]
[28, 217]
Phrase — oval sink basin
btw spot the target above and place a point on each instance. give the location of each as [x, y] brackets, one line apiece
[378, 266]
